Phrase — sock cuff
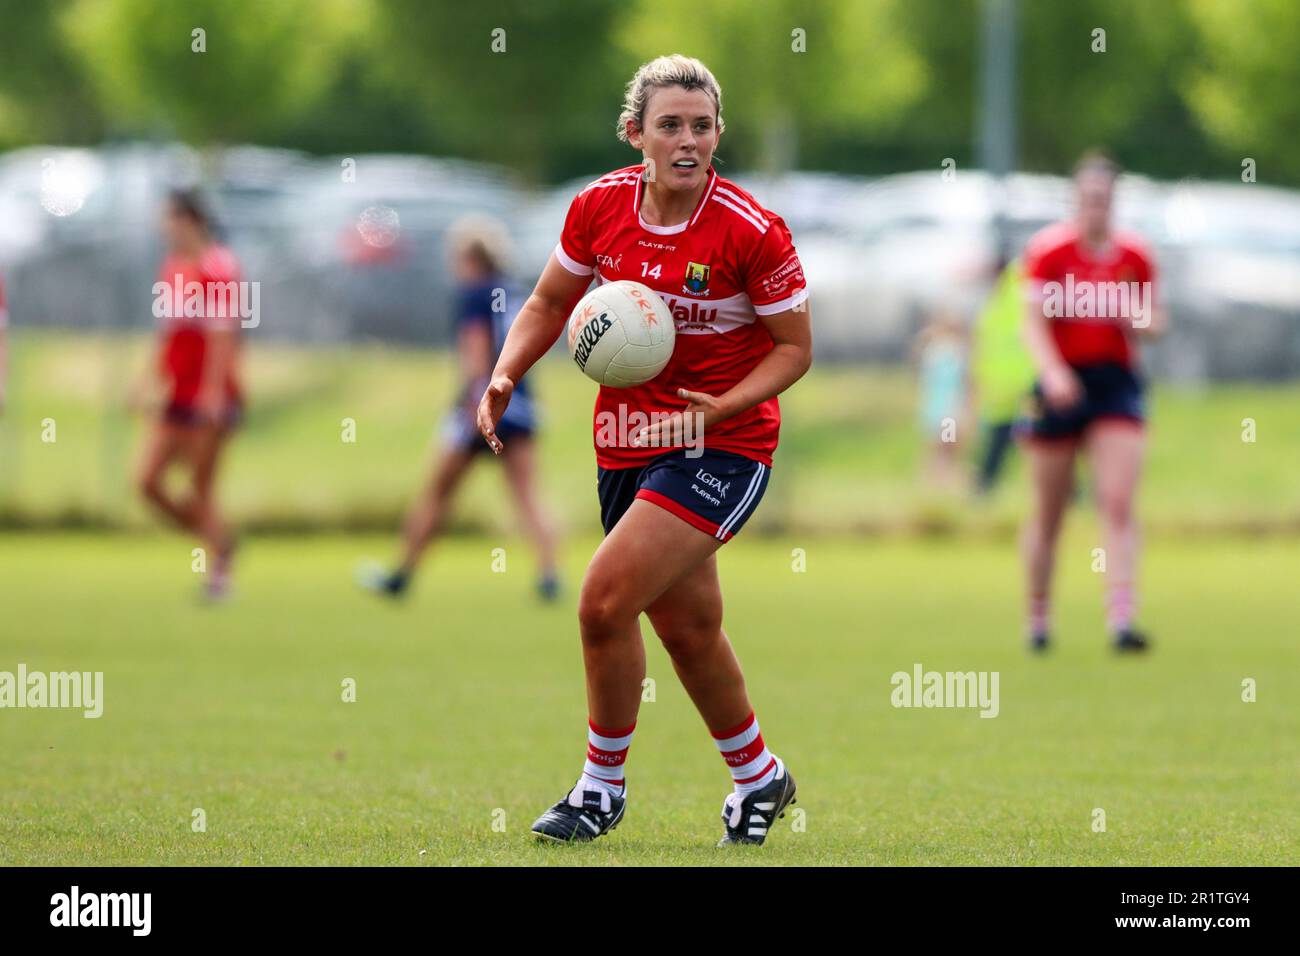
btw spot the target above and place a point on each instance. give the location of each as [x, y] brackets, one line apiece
[609, 731]
[740, 728]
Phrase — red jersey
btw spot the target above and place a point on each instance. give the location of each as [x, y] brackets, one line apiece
[185, 337]
[1091, 299]
[729, 263]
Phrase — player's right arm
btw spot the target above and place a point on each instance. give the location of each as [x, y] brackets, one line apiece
[1060, 385]
[539, 323]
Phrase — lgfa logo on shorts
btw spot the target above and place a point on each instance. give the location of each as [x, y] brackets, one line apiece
[714, 482]
[103, 909]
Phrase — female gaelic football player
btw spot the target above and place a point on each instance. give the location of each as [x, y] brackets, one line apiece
[486, 301]
[1090, 296]
[728, 272]
[198, 363]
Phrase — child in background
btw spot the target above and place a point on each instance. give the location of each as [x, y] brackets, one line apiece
[941, 357]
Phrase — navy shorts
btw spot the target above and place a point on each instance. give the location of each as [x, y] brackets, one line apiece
[715, 492]
[460, 431]
[187, 415]
[1110, 392]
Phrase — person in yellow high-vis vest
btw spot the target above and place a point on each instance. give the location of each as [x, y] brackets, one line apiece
[1002, 371]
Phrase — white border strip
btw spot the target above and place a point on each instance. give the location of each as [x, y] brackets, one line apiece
[573, 265]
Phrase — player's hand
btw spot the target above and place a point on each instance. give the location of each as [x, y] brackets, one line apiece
[491, 407]
[209, 403]
[137, 397]
[1061, 387]
[703, 410]
[1156, 325]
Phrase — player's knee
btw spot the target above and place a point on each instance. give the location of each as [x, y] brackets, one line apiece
[1046, 524]
[685, 632]
[602, 613]
[1116, 509]
[149, 484]
[687, 637]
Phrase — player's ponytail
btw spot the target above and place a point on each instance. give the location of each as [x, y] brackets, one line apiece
[674, 70]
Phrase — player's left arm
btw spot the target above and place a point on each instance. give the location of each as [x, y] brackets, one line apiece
[773, 277]
[221, 346]
[218, 367]
[1154, 321]
[786, 363]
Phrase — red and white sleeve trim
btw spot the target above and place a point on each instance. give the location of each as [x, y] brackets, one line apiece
[572, 264]
[798, 297]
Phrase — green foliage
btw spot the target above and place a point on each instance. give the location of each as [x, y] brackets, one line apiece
[1184, 87]
[787, 67]
[1244, 89]
[519, 83]
[259, 63]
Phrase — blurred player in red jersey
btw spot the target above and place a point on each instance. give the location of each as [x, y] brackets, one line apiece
[198, 363]
[728, 272]
[1091, 293]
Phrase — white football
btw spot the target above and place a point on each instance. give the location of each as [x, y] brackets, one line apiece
[621, 334]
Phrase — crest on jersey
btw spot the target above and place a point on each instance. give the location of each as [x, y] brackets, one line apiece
[697, 279]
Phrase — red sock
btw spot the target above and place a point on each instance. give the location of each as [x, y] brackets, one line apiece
[1039, 614]
[751, 763]
[1120, 601]
[606, 754]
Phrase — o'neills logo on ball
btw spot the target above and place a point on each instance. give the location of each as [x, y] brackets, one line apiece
[588, 337]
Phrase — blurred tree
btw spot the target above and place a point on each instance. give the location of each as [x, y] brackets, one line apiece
[1075, 94]
[789, 70]
[1183, 87]
[532, 85]
[43, 94]
[263, 62]
[1244, 90]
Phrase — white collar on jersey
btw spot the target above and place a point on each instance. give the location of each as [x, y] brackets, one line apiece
[681, 226]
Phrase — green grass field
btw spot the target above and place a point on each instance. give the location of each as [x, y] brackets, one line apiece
[470, 709]
[849, 459]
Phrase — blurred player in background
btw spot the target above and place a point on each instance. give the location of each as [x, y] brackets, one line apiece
[943, 392]
[198, 366]
[486, 303]
[728, 272]
[1090, 294]
[1003, 374]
